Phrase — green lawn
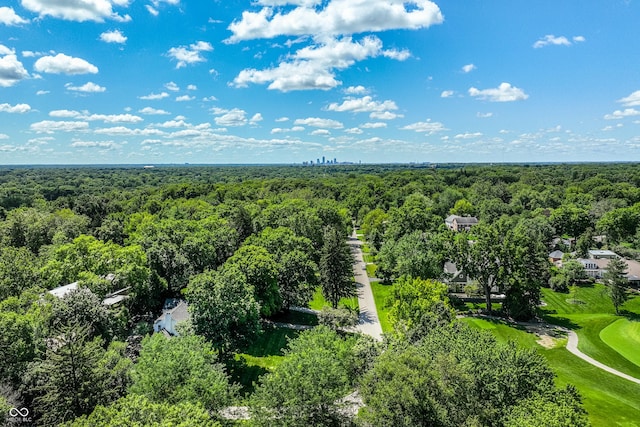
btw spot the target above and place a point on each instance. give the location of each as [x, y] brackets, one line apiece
[318, 301]
[381, 293]
[371, 270]
[610, 400]
[623, 336]
[588, 318]
[369, 258]
[260, 357]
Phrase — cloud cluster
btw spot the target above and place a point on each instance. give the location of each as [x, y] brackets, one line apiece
[114, 36]
[8, 16]
[78, 10]
[88, 87]
[312, 67]
[632, 100]
[18, 108]
[427, 127]
[337, 17]
[11, 69]
[552, 40]
[503, 93]
[64, 64]
[187, 55]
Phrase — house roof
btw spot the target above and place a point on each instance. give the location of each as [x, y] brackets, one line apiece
[450, 218]
[467, 220]
[600, 252]
[178, 313]
[61, 291]
[556, 254]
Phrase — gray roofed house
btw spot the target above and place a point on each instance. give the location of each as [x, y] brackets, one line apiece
[460, 223]
[174, 313]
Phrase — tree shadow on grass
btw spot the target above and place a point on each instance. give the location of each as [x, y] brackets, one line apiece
[560, 321]
[244, 374]
[630, 315]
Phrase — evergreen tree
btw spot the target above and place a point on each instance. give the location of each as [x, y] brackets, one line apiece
[336, 267]
[616, 282]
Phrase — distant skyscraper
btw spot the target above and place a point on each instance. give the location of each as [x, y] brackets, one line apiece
[335, 162]
[323, 160]
[318, 161]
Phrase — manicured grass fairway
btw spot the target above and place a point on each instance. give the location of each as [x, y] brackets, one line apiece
[610, 400]
[623, 336]
[588, 319]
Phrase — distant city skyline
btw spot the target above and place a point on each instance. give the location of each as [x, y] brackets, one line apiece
[287, 82]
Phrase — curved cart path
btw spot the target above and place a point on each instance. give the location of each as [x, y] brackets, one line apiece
[572, 346]
[369, 323]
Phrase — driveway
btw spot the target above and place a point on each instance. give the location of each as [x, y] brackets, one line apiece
[368, 323]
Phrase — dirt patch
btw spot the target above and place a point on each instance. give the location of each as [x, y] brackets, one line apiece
[547, 341]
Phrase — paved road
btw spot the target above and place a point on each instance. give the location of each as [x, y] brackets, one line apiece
[572, 346]
[369, 323]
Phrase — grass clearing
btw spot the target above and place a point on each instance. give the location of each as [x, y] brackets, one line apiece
[260, 357]
[381, 293]
[371, 270]
[318, 301]
[623, 336]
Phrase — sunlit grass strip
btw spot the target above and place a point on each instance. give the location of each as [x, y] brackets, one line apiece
[623, 336]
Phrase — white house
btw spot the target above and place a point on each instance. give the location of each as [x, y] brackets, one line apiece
[175, 312]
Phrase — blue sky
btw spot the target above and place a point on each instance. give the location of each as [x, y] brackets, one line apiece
[287, 81]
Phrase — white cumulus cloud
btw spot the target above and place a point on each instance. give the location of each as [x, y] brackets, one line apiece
[11, 69]
[621, 114]
[366, 104]
[88, 87]
[8, 16]
[446, 94]
[18, 108]
[51, 126]
[313, 67]
[337, 17]
[153, 111]
[64, 64]
[503, 93]
[319, 123]
[186, 55]
[78, 10]
[114, 36]
[468, 68]
[154, 96]
[426, 127]
[632, 100]
[552, 40]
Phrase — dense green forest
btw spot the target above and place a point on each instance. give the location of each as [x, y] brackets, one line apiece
[243, 245]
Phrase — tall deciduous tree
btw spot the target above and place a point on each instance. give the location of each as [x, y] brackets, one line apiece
[181, 369]
[304, 388]
[296, 269]
[223, 308]
[336, 267]
[261, 272]
[616, 282]
[418, 306]
[480, 255]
